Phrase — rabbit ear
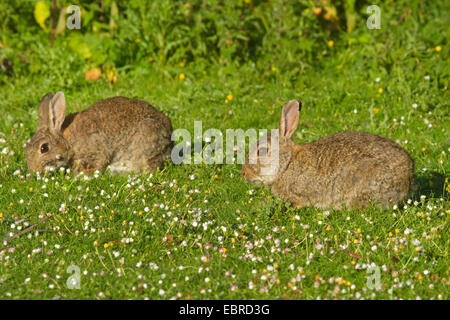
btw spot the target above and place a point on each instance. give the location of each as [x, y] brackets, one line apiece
[44, 109]
[57, 110]
[289, 118]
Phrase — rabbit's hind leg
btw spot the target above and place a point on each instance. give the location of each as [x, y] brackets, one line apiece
[149, 147]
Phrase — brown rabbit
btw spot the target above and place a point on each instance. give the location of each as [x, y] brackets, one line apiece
[124, 134]
[347, 169]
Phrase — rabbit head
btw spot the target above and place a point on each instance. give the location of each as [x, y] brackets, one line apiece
[272, 154]
[48, 149]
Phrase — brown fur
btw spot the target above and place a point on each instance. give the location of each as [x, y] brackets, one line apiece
[347, 169]
[127, 134]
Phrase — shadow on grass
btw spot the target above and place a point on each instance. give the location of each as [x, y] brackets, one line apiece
[431, 184]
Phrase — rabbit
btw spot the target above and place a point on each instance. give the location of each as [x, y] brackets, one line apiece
[128, 135]
[343, 170]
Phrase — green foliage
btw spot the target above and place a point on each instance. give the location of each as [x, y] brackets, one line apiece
[172, 32]
[288, 34]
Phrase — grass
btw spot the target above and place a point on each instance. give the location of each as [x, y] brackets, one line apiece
[202, 231]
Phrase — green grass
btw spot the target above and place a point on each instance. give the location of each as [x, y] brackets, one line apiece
[208, 231]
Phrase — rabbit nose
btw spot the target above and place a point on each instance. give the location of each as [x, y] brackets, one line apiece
[59, 157]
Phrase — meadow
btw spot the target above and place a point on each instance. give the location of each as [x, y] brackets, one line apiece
[202, 231]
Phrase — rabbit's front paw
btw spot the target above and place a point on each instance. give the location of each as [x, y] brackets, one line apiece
[88, 165]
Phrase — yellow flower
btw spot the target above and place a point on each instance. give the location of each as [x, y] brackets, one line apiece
[438, 48]
[328, 228]
[330, 43]
[1, 214]
[274, 69]
[182, 76]
[230, 97]
[95, 243]
[380, 90]
[105, 245]
[339, 67]
[375, 110]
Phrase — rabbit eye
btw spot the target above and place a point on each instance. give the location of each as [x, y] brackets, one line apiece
[44, 148]
[262, 152]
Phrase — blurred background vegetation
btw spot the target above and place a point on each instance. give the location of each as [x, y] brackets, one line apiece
[122, 36]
